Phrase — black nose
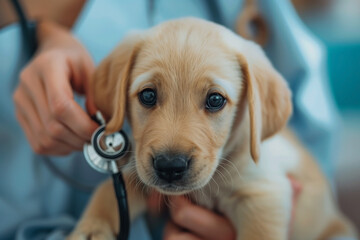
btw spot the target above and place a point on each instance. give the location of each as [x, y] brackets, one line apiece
[171, 167]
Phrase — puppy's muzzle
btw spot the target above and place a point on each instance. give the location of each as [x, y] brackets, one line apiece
[171, 167]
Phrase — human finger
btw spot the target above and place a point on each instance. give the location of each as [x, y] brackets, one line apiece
[27, 130]
[174, 232]
[34, 88]
[155, 203]
[296, 191]
[89, 69]
[40, 147]
[63, 106]
[39, 140]
[203, 222]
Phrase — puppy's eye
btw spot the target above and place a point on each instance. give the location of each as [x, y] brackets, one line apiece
[215, 102]
[147, 97]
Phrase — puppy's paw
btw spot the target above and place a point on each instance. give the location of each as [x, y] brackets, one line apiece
[92, 229]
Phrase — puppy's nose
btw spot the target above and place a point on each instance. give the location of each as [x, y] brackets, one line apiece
[171, 167]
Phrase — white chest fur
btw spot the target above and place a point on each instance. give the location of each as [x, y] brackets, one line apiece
[278, 158]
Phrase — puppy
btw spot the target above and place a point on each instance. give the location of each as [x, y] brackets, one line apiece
[206, 109]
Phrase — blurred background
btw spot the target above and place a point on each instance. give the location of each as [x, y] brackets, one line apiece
[337, 24]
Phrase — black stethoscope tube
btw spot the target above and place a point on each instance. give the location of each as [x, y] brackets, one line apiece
[28, 29]
[118, 181]
[120, 191]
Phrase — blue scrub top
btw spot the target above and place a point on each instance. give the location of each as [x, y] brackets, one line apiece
[36, 204]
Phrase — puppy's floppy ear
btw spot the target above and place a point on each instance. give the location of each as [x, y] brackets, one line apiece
[110, 82]
[268, 96]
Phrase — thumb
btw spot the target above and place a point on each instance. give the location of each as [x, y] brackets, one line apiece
[155, 203]
[90, 103]
[89, 69]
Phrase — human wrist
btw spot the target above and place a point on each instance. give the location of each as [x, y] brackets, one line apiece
[50, 33]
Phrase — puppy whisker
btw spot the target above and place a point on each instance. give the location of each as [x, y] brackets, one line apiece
[223, 177]
[203, 193]
[231, 164]
[218, 188]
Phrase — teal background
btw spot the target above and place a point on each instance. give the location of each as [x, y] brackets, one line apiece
[338, 28]
[344, 74]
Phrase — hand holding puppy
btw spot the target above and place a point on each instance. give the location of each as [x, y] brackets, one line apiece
[192, 222]
[189, 221]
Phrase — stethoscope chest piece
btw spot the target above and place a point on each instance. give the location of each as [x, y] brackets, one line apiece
[103, 154]
[105, 150]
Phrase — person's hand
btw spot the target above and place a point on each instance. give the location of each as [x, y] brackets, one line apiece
[45, 108]
[192, 222]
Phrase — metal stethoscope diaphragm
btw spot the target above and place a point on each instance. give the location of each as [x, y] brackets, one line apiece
[105, 151]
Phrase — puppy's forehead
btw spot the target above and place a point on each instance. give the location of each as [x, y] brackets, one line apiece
[185, 52]
[188, 56]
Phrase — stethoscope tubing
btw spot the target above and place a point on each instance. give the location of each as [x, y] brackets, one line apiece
[28, 29]
[118, 181]
[121, 197]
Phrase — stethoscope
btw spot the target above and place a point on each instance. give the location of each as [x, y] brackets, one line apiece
[103, 153]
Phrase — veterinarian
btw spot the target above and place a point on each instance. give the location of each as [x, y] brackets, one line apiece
[47, 117]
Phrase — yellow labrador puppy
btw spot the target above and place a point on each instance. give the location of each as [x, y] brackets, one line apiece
[206, 108]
